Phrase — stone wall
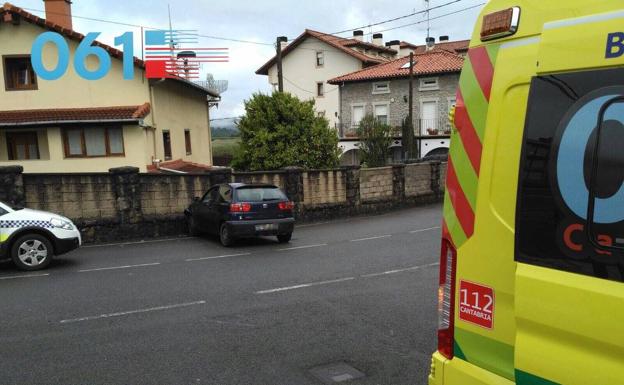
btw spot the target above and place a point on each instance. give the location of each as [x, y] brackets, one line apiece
[376, 183]
[361, 93]
[125, 204]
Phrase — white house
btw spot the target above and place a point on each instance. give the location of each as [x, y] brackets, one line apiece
[313, 58]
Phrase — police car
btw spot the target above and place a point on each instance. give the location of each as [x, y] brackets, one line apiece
[31, 238]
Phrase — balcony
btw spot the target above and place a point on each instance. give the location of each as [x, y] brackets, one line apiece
[423, 128]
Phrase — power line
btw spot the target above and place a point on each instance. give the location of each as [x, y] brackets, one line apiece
[144, 26]
[433, 18]
[310, 92]
[398, 18]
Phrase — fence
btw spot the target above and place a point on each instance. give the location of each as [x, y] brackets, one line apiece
[124, 204]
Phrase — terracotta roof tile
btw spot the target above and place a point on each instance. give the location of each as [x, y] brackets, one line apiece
[178, 165]
[340, 43]
[428, 63]
[57, 115]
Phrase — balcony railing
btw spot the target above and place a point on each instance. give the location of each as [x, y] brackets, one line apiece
[422, 128]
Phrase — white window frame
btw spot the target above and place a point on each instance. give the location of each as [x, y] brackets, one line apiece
[316, 59]
[386, 91]
[436, 119]
[353, 106]
[423, 86]
[322, 94]
[387, 105]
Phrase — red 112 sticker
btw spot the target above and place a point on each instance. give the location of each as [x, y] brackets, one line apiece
[476, 304]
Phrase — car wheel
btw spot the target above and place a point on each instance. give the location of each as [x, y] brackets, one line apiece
[192, 227]
[284, 238]
[225, 236]
[32, 252]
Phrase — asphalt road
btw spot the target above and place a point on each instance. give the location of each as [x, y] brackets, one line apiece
[360, 291]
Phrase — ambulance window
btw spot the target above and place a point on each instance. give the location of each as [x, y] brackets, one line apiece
[3, 211]
[555, 179]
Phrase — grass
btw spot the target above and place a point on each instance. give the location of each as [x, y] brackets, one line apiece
[225, 146]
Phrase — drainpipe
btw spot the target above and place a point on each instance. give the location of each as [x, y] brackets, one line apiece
[155, 125]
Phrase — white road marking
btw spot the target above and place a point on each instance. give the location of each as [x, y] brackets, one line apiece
[123, 313]
[119, 267]
[217, 257]
[24, 276]
[279, 289]
[398, 270]
[136, 242]
[303, 247]
[370, 238]
[423, 230]
[311, 224]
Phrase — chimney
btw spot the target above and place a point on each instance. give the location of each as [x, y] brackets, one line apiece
[430, 43]
[444, 38]
[378, 39]
[394, 44]
[358, 35]
[283, 42]
[59, 12]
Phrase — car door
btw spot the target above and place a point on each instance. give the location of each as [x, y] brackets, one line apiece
[203, 213]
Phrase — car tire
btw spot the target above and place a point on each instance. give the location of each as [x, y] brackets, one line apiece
[192, 227]
[32, 252]
[284, 238]
[225, 237]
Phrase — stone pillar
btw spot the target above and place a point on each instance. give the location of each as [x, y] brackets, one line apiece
[435, 179]
[353, 184]
[294, 184]
[127, 190]
[12, 185]
[398, 182]
[220, 175]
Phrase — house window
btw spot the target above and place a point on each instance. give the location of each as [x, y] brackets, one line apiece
[357, 114]
[381, 113]
[320, 114]
[320, 58]
[167, 144]
[187, 142]
[19, 74]
[93, 142]
[381, 88]
[22, 145]
[320, 89]
[429, 84]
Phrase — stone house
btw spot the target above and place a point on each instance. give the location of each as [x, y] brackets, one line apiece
[78, 125]
[383, 91]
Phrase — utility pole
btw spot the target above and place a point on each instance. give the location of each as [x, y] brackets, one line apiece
[278, 56]
[411, 111]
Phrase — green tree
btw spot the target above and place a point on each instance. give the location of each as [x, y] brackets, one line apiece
[280, 130]
[375, 140]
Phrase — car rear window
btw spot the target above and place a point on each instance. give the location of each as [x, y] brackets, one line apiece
[259, 194]
[563, 167]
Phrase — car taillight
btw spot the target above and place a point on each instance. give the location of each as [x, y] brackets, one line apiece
[285, 206]
[446, 299]
[240, 207]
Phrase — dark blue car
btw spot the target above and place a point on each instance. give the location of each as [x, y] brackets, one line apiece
[237, 210]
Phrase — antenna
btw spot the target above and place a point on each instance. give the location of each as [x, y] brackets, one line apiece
[428, 18]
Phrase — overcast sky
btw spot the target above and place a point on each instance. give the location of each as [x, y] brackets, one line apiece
[261, 21]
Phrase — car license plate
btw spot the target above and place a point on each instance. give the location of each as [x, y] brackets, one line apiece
[266, 227]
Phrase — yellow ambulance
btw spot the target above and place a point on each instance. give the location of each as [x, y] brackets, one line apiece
[532, 264]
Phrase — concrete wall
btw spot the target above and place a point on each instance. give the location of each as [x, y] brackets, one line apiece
[125, 204]
[324, 186]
